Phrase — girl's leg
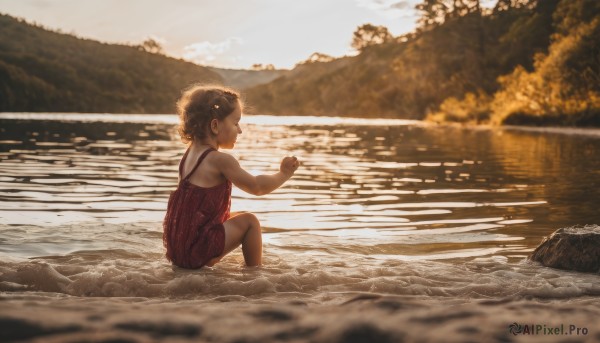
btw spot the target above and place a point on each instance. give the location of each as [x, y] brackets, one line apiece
[244, 229]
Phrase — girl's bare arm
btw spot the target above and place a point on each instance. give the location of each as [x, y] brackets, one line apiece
[256, 185]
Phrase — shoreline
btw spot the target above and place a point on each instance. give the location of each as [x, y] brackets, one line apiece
[296, 120]
[569, 130]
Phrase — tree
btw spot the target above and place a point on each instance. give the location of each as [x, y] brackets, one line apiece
[318, 57]
[260, 66]
[436, 12]
[367, 35]
[433, 13]
[505, 5]
[152, 46]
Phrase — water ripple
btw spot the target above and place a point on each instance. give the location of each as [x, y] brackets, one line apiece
[389, 188]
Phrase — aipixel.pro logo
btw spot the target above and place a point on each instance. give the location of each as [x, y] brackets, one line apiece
[547, 330]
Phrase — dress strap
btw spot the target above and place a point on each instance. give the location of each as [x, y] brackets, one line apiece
[182, 162]
[200, 159]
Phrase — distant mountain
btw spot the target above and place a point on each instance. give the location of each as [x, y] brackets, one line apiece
[318, 88]
[42, 70]
[240, 78]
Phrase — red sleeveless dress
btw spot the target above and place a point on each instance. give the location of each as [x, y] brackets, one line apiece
[193, 231]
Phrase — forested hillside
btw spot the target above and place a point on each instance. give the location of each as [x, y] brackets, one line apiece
[522, 62]
[41, 70]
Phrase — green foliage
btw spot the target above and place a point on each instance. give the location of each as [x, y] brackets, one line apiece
[405, 78]
[522, 34]
[562, 86]
[472, 109]
[563, 89]
[42, 70]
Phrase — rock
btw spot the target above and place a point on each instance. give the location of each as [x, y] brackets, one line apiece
[572, 248]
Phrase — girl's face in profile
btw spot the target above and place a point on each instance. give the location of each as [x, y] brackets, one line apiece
[229, 128]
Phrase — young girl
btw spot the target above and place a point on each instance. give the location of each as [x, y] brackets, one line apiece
[197, 227]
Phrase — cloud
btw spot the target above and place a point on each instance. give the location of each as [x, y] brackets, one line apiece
[403, 5]
[391, 9]
[207, 52]
[44, 4]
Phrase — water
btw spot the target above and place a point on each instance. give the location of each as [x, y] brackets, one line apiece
[387, 207]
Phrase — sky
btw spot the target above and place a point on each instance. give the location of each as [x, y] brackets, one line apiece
[222, 33]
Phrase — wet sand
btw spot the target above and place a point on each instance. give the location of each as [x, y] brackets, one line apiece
[366, 317]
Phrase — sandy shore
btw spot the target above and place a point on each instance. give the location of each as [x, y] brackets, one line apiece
[40, 317]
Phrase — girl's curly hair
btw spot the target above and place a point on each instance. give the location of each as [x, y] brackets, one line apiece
[199, 105]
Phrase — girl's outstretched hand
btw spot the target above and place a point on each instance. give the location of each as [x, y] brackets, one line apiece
[289, 165]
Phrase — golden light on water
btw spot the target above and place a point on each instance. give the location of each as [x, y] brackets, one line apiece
[325, 121]
[430, 194]
[262, 120]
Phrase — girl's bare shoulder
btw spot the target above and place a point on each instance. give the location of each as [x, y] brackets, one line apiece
[222, 159]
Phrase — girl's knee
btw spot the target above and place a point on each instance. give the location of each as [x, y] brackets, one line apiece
[255, 221]
[252, 220]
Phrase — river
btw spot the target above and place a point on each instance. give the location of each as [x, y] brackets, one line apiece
[381, 212]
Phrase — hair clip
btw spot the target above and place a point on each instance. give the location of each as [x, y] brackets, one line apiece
[216, 107]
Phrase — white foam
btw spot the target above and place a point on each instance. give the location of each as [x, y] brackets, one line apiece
[119, 274]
